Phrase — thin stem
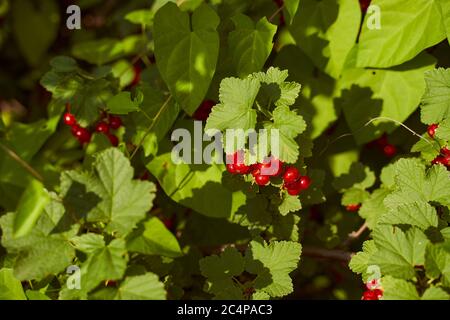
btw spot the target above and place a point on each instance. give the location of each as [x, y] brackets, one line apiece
[355, 234]
[276, 13]
[315, 252]
[22, 162]
[150, 127]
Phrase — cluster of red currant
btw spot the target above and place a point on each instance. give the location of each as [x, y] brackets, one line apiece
[374, 291]
[293, 182]
[388, 149]
[444, 156]
[83, 135]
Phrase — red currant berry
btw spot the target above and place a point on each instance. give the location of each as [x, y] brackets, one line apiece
[115, 122]
[137, 75]
[445, 151]
[354, 207]
[304, 182]
[445, 161]
[203, 111]
[378, 293]
[291, 175]
[369, 295]
[241, 168]
[102, 127]
[231, 168]
[390, 150]
[82, 134]
[69, 119]
[432, 130]
[262, 180]
[382, 141]
[294, 189]
[113, 139]
[271, 167]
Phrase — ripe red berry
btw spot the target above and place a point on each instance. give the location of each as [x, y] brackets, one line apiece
[369, 295]
[445, 151]
[69, 119]
[271, 167]
[304, 182]
[113, 139]
[203, 111]
[102, 127]
[378, 293]
[390, 150]
[382, 141]
[291, 175]
[82, 134]
[293, 189]
[241, 168]
[444, 160]
[115, 122]
[432, 129]
[231, 168]
[262, 180]
[354, 207]
[137, 75]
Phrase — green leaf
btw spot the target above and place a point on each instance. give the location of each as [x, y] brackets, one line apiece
[88, 243]
[289, 125]
[415, 184]
[435, 293]
[35, 27]
[418, 214]
[326, 31]
[124, 201]
[358, 176]
[291, 7]
[354, 196]
[36, 295]
[398, 289]
[102, 51]
[318, 89]
[399, 40]
[437, 262]
[391, 93]
[436, 100]
[235, 108]
[289, 204]
[445, 10]
[144, 287]
[250, 44]
[143, 17]
[154, 239]
[186, 51]
[220, 270]
[278, 91]
[64, 64]
[373, 207]
[31, 206]
[272, 264]
[41, 252]
[160, 114]
[195, 186]
[443, 131]
[398, 252]
[105, 262]
[360, 261]
[10, 287]
[122, 103]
